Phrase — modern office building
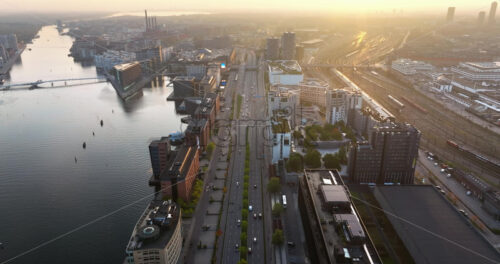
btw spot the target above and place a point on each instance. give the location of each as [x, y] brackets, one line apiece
[127, 74]
[388, 156]
[159, 153]
[273, 48]
[410, 67]
[108, 59]
[478, 71]
[313, 91]
[157, 237]
[287, 72]
[480, 18]
[177, 181]
[288, 46]
[299, 53]
[451, 14]
[340, 104]
[492, 14]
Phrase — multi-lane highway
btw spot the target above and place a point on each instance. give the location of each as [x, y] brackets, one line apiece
[252, 115]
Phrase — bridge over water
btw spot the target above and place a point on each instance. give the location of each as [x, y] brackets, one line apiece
[37, 83]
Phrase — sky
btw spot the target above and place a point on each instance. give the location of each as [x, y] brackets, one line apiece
[333, 6]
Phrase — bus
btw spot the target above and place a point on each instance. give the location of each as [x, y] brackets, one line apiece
[284, 201]
[236, 78]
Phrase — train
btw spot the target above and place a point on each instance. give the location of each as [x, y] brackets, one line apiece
[418, 107]
[396, 103]
[475, 155]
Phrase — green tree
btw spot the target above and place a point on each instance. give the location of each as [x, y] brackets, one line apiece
[244, 226]
[244, 213]
[210, 149]
[342, 154]
[313, 158]
[295, 162]
[278, 238]
[336, 135]
[274, 186]
[243, 238]
[243, 261]
[297, 134]
[277, 209]
[331, 161]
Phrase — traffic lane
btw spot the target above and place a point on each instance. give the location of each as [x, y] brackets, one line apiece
[234, 213]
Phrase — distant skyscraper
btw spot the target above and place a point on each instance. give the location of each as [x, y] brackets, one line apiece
[288, 46]
[493, 11]
[451, 14]
[481, 17]
[272, 48]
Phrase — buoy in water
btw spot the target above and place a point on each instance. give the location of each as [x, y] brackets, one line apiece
[84, 145]
[76, 160]
[102, 122]
[93, 134]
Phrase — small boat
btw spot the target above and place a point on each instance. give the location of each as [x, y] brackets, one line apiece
[102, 122]
[93, 134]
[76, 160]
[29, 49]
[84, 145]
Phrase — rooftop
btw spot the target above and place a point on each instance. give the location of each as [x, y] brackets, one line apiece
[155, 227]
[441, 226]
[181, 163]
[125, 66]
[333, 193]
[285, 67]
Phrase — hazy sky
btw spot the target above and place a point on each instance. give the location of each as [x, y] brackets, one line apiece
[463, 6]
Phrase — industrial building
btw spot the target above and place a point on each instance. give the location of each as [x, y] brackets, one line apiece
[389, 155]
[334, 231]
[157, 237]
[430, 227]
[108, 59]
[478, 71]
[160, 153]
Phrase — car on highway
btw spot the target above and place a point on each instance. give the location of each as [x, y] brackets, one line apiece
[443, 192]
[291, 244]
[250, 208]
[255, 186]
[254, 215]
[238, 222]
[237, 247]
[260, 215]
[463, 212]
[249, 250]
[254, 239]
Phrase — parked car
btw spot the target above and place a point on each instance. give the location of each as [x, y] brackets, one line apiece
[291, 244]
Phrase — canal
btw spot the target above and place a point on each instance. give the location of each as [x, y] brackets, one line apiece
[49, 184]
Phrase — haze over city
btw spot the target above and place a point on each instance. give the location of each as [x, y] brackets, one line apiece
[234, 132]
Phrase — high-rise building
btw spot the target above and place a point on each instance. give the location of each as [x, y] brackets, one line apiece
[480, 18]
[451, 14]
[340, 104]
[159, 153]
[272, 48]
[493, 11]
[388, 156]
[299, 53]
[288, 46]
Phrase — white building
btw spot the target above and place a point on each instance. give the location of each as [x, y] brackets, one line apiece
[339, 104]
[283, 102]
[478, 71]
[287, 72]
[110, 58]
[313, 91]
[410, 67]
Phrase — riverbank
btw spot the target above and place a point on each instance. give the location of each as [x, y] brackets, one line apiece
[6, 68]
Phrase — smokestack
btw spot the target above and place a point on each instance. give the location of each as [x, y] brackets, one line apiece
[147, 22]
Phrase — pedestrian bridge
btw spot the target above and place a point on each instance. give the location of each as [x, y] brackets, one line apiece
[37, 83]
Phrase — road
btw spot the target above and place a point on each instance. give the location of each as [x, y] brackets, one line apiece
[250, 86]
[470, 204]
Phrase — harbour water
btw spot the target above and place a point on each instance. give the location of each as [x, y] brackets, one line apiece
[50, 184]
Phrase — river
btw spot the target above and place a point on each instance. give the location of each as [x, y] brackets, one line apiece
[44, 193]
